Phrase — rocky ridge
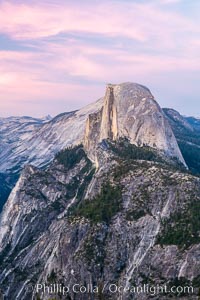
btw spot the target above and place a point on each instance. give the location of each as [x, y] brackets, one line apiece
[111, 225]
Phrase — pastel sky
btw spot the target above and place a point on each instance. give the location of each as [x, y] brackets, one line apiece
[57, 56]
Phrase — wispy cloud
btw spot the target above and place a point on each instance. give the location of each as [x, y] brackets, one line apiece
[33, 21]
[133, 20]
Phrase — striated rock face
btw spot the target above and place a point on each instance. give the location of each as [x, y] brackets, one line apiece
[37, 143]
[14, 131]
[130, 111]
[129, 222]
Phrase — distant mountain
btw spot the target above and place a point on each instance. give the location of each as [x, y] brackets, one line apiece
[47, 118]
[194, 122]
[187, 133]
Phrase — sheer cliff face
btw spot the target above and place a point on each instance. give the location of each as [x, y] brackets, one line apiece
[129, 110]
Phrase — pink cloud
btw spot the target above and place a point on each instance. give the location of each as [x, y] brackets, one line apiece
[35, 75]
[21, 95]
[133, 20]
[79, 59]
[23, 21]
[167, 42]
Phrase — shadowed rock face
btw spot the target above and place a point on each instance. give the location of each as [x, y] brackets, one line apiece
[129, 110]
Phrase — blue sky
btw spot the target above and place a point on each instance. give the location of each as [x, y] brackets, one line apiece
[57, 56]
